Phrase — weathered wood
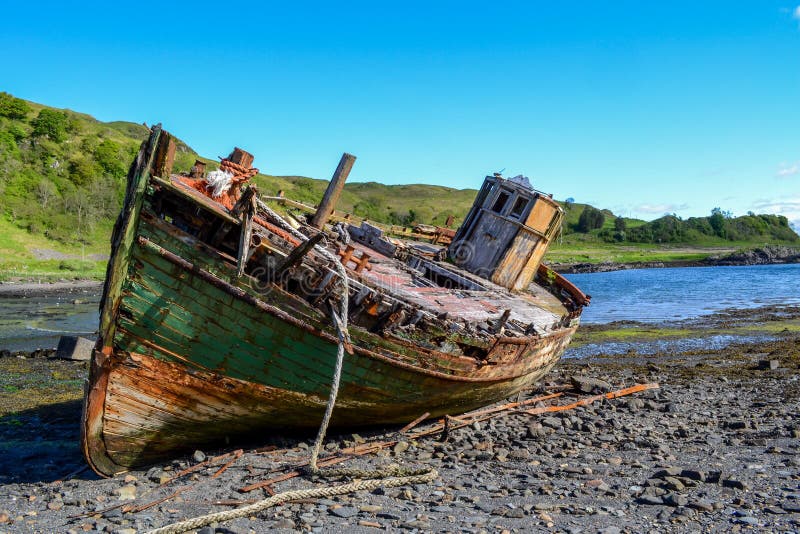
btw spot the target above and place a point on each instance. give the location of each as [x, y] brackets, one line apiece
[333, 191]
[124, 233]
[241, 157]
[198, 170]
[248, 212]
[296, 255]
[165, 156]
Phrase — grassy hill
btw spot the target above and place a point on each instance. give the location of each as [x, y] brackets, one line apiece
[62, 181]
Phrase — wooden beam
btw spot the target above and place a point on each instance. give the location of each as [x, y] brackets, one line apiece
[335, 187]
[296, 255]
[164, 157]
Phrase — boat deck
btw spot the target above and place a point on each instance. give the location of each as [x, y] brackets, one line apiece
[537, 305]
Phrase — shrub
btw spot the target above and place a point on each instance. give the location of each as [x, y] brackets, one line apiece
[591, 218]
[51, 124]
[12, 107]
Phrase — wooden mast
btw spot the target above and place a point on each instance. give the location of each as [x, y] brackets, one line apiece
[335, 187]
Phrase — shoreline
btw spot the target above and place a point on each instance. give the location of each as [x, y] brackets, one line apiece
[604, 267]
[28, 288]
[715, 447]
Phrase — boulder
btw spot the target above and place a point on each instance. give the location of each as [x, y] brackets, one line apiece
[74, 348]
[585, 384]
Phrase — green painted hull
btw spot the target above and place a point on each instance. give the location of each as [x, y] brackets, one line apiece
[190, 355]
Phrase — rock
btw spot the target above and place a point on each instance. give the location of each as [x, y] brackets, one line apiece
[609, 530]
[673, 483]
[373, 524]
[768, 365]
[126, 493]
[734, 483]
[370, 508]
[55, 505]
[158, 475]
[206, 530]
[735, 425]
[401, 447]
[519, 454]
[634, 404]
[199, 456]
[74, 348]
[125, 531]
[749, 520]
[650, 500]
[700, 476]
[552, 422]
[675, 500]
[668, 472]
[343, 511]
[285, 523]
[701, 504]
[586, 384]
[536, 431]
[4, 518]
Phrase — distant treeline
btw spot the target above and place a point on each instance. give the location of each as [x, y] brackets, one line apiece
[62, 175]
[673, 229]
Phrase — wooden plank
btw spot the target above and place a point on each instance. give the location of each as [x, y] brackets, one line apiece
[122, 239]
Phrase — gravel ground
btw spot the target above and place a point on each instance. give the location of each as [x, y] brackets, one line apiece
[716, 448]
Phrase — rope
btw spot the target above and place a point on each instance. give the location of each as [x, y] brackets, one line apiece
[389, 477]
[330, 491]
[240, 173]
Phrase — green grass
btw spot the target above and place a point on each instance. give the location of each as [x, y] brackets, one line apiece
[19, 262]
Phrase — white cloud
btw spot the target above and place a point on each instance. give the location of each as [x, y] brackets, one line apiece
[796, 13]
[660, 208]
[788, 170]
[788, 207]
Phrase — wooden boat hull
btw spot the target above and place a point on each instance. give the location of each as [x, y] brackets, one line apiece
[191, 355]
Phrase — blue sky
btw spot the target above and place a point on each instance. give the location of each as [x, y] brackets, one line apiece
[640, 107]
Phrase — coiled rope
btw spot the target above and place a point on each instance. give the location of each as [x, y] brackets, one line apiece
[389, 477]
[240, 172]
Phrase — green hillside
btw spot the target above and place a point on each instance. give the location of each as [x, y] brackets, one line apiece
[62, 179]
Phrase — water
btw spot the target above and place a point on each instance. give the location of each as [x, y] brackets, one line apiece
[37, 322]
[658, 346]
[646, 295]
[673, 294]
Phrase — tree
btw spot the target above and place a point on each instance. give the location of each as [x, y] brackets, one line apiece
[51, 124]
[46, 191]
[717, 222]
[107, 154]
[620, 225]
[13, 107]
[590, 219]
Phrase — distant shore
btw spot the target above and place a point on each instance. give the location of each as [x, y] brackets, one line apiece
[28, 288]
[768, 255]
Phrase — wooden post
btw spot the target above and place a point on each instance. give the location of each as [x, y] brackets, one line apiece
[198, 170]
[296, 255]
[165, 156]
[335, 187]
[241, 157]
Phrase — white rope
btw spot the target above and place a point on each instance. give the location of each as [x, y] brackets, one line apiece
[219, 182]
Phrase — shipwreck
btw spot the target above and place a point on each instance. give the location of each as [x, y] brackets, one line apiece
[216, 315]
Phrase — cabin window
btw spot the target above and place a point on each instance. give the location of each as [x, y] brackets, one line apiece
[519, 207]
[501, 201]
